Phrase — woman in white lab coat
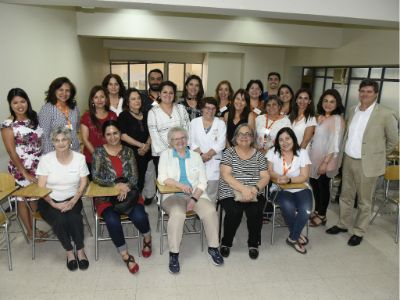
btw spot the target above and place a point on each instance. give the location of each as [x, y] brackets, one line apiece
[208, 137]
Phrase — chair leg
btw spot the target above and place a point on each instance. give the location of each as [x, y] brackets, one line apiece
[138, 242]
[273, 222]
[96, 239]
[162, 234]
[33, 236]
[201, 236]
[87, 222]
[397, 224]
[8, 246]
[19, 222]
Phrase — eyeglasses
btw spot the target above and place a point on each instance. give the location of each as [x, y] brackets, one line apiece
[244, 134]
[179, 139]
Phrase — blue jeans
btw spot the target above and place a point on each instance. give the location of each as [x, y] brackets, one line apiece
[295, 208]
[139, 218]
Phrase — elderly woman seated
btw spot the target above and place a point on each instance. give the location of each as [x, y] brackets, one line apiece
[182, 168]
[115, 164]
[244, 176]
[64, 172]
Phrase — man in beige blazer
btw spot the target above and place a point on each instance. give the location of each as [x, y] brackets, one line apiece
[371, 134]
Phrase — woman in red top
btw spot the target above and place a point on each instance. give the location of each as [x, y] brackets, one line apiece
[93, 119]
[114, 165]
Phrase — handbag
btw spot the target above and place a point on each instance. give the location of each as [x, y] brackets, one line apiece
[125, 206]
[238, 196]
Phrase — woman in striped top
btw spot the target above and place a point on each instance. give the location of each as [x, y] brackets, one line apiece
[244, 176]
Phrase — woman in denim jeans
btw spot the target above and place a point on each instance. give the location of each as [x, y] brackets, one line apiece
[287, 163]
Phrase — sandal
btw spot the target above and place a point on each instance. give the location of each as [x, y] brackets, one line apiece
[312, 215]
[296, 246]
[317, 220]
[146, 253]
[135, 268]
[303, 240]
[39, 235]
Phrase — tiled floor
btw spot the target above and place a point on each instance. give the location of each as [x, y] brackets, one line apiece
[330, 269]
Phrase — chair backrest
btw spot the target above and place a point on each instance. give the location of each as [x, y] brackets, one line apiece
[392, 173]
[7, 182]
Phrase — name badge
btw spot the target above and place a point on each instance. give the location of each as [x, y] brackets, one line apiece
[154, 103]
[257, 111]
[267, 131]
[221, 110]
[69, 126]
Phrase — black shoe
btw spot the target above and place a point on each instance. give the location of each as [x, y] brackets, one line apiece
[224, 250]
[148, 201]
[335, 230]
[174, 267]
[355, 240]
[215, 256]
[253, 253]
[72, 265]
[83, 264]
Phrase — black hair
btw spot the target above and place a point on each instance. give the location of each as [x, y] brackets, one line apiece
[310, 110]
[30, 113]
[55, 85]
[286, 86]
[92, 108]
[290, 132]
[200, 93]
[274, 74]
[246, 110]
[125, 104]
[110, 123]
[122, 88]
[170, 84]
[369, 82]
[259, 83]
[339, 105]
[209, 100]
[273, 98]
[155, 71]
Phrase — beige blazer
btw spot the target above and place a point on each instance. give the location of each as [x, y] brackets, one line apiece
[380, 138]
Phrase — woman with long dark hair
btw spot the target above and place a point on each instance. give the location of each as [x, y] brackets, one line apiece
[285, 93]
[238, 114]
[192, 94]
[93, 119]
[302, 117]
[325, 151]
[21, 135]
[60, 110]
[115, 88]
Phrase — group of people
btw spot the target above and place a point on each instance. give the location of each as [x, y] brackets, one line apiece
[228, 147]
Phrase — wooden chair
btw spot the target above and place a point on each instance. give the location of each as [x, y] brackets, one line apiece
[162, 191]
[7, 186]
[391, 175]
[95, 190]
[276, 207]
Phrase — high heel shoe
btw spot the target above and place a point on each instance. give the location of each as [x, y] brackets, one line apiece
[83, 263]
[146, 253]
[317, 220]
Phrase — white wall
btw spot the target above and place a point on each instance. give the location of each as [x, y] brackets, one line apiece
[38, 45]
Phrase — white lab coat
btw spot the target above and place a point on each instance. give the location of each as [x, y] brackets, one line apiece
[215, 139]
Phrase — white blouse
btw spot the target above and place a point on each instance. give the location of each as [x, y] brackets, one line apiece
[266, 133]
[214, 139]
[117, 110]
[300, 127]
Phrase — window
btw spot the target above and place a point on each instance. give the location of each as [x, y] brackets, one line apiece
[347, 79]
[135, 73]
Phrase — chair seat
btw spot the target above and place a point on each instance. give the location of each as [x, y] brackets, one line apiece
[3, 218]
[37, 215]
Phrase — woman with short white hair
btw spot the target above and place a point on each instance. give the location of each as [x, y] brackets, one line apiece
[184, 169]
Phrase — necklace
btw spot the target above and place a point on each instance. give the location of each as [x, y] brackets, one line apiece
[136, 114]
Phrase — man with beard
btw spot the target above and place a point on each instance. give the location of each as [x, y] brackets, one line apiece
[273, 83]
[150, 96]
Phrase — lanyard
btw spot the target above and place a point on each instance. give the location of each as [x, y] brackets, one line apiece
[285, 166]
[65, 112]
[266, 123]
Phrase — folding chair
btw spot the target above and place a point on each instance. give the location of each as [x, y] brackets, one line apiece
[391, 175]
[276, 208]
[163, 190]
[95, 190]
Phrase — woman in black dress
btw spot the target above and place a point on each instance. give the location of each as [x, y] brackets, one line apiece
[135, 133]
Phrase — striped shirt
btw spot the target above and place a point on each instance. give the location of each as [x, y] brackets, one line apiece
[247, 171]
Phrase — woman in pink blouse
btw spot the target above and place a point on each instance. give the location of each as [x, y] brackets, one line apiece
[325, 151]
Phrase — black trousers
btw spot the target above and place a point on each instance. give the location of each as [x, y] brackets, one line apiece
[67, 225]
[142, 162]
[156, 160]
[233, 216]
[322, 193]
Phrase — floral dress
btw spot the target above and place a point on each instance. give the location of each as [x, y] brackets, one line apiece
[28, 146]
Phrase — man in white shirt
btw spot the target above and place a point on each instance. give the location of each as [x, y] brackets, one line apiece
[371, 135]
